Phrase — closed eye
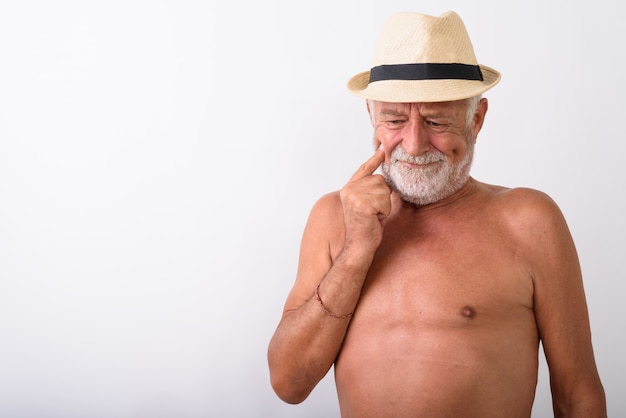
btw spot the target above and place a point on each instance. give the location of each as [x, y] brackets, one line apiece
[394, 123]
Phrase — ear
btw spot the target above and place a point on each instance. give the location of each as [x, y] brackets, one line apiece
[370, 111]
[369, 104]
[479, 116]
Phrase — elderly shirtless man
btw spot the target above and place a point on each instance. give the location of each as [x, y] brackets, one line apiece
[428, 290]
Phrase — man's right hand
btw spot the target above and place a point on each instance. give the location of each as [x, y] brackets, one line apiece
[366, 201]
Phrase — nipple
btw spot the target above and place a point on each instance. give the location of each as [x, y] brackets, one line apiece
[468, 312]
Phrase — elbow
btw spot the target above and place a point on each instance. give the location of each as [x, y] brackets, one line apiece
[287, 389]
[588, 401]
[290, 376]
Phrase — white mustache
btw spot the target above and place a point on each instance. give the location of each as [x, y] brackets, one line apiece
[399, 154]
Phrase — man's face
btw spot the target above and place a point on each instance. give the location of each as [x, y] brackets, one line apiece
[428, 148]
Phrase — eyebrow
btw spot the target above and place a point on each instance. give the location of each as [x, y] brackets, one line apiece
[439, 115]
[435, 115]
[392, 112]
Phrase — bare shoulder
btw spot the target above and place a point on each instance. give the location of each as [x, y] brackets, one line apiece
[327, 206]
[533, 222]
[522, 206]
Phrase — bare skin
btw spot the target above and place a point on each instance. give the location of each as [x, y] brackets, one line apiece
[450, 299]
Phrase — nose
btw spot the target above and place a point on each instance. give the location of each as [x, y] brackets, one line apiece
[415, 140]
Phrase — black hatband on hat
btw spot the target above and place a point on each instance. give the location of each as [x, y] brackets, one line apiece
[426, 71]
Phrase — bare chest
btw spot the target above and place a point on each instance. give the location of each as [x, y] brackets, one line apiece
[456, 276]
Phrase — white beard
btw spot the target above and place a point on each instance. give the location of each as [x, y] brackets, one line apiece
[426, 185]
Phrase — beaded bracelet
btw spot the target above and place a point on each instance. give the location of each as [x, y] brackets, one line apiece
[329, 313]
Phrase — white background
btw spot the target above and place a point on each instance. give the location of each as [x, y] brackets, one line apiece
[158, 160]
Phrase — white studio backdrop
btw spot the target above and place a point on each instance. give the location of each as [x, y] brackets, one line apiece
[158, 160]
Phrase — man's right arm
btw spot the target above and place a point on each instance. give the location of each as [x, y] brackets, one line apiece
[328, 285]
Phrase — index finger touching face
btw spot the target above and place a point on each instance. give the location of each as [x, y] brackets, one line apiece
[369, 166]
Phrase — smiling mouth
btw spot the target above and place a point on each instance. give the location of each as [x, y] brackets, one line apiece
[417, 165]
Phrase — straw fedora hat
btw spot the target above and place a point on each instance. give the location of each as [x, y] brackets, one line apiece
[421, 58]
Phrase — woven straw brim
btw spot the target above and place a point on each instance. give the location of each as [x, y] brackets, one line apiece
[414, 91]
